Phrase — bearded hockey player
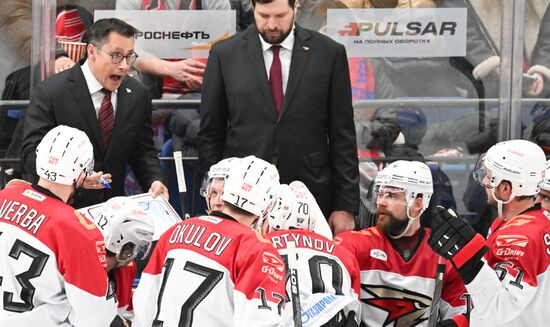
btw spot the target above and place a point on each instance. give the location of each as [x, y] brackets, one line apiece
[509, 286]
[216, 270]
[52, 260]
[128, 233]
[397, 267]
[325, 269]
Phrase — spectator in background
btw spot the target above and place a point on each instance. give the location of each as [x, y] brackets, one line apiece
[282, 93]
[113, 109]
[179, 76]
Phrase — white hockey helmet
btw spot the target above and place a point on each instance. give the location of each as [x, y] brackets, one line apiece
[292, 208]
[63, 154]
[414, 177]
[546, 183]
[219, 170]
[251, 185]
[126, 227]
[520, 162]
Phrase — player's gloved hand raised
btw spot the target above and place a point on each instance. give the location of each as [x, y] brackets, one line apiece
[455, 240]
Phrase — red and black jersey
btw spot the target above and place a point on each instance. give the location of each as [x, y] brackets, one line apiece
[213, 271]
[513, 287]
[398, 292]
[52, 262]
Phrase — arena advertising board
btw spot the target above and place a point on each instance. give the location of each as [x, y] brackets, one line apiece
[409, 32]
[175, 34]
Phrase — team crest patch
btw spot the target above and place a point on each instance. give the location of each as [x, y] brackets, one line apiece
[509, 240]
[272, 260]
[379, 254]
[34, 195]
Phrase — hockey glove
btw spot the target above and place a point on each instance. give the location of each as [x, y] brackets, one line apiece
[457, 321]
[455, 240]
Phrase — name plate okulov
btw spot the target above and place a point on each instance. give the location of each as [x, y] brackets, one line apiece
[411, 32]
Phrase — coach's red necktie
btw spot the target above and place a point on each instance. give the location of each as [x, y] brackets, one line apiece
[276, 78]
[106, 118]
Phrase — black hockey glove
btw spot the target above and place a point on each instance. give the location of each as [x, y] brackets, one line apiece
[457, 321]
[455, 240]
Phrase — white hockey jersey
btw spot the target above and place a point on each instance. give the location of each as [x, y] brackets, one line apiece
[323, 267]
[211, 271]
[395, 292]
[52, 263]
[513, 287]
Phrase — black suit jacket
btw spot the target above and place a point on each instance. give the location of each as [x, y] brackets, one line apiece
[64, 99]
[312, 140]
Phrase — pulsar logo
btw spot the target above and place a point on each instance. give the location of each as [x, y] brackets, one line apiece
[509, 240]
[399, 28]
[404, 307]
[379, 254]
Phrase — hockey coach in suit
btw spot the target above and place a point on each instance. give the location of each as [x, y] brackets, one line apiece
[282, 93]
[113, 109]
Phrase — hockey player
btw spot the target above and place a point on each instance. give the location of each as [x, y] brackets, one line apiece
[544, 193]
[52, 261]
[510, 287]
[325, 269]
[397, 267]
[213, 190]
[128, 233]
[216, 270]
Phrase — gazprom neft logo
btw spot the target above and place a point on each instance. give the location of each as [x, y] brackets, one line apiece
[317, 308]
[399, 28]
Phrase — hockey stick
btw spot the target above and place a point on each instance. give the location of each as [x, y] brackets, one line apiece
[436, 300]
[178, 161]
[294, 289]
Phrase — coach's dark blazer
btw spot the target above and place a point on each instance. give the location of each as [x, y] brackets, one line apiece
[313, 140]
[64, 99]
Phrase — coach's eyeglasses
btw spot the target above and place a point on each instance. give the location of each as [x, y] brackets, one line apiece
[116, 58]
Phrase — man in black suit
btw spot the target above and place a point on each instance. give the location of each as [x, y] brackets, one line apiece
[290, 105]
[114, 110]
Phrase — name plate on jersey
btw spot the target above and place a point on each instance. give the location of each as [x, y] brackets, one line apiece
[164, 215]
[176, 34]
[410, 32]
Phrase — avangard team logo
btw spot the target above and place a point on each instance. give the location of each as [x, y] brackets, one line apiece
[404, 308]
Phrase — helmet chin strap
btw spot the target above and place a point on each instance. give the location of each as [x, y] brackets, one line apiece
[500, 203]
[409, 224]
